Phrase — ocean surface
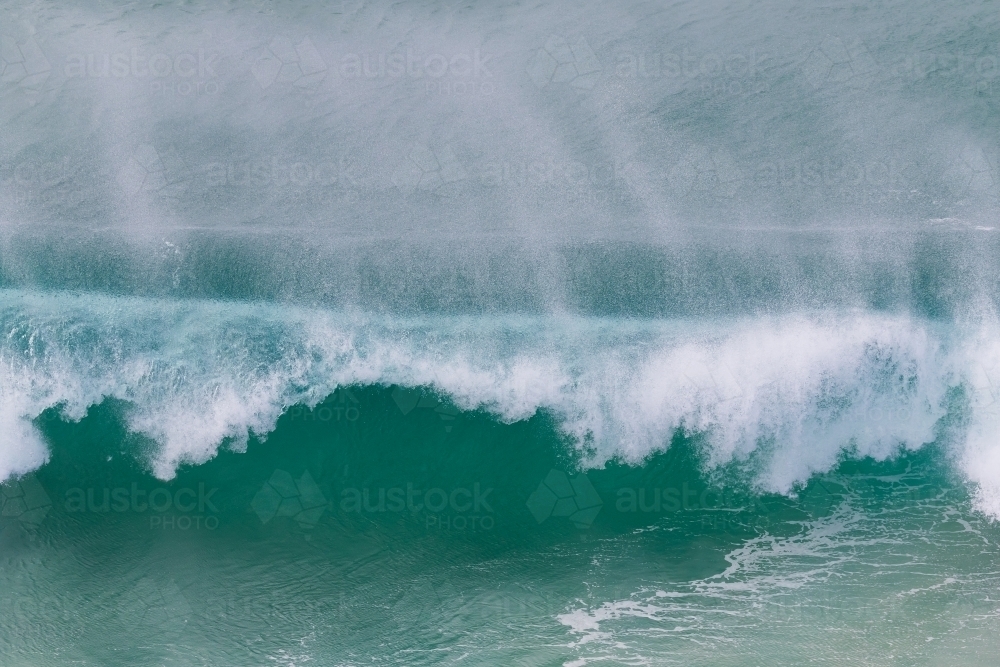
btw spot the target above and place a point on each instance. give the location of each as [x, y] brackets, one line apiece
[499, 333]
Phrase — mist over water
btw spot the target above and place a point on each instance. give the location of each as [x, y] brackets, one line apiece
[651, 161]
[594, 123]
[694, 302]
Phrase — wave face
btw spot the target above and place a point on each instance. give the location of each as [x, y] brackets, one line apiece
[780, 397]
[785, 396]
[354, 331]
[385, 521]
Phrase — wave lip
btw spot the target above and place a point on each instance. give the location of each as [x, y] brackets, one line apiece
[787, 396]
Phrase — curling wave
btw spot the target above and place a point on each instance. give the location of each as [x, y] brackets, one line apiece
[782, 397]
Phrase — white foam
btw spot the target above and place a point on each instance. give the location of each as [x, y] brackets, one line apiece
[790, 393]
[980, 456]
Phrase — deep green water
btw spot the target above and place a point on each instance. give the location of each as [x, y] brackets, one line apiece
[427, 538]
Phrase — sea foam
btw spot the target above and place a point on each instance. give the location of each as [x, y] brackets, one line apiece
[787, 396]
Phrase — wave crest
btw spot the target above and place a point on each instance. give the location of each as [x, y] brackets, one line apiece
[788, 395]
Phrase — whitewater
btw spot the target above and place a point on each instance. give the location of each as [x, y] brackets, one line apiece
[793, 394]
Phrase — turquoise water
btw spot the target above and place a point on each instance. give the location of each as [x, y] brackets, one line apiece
[425, 547]
[248, 484]
[358, 333]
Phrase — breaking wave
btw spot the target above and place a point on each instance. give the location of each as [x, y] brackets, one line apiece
[780, 397]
